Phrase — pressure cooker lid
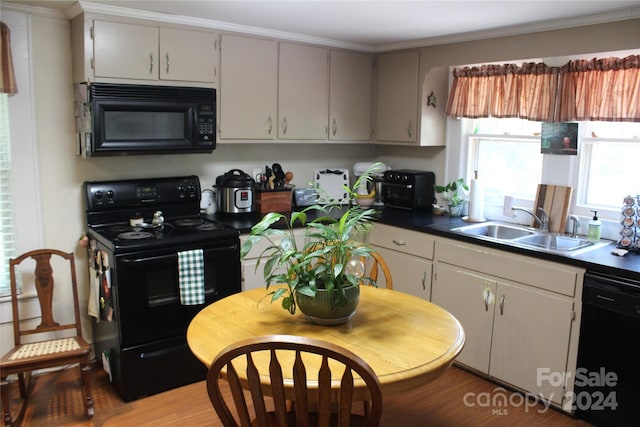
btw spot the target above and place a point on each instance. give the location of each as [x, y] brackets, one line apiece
[235, 178]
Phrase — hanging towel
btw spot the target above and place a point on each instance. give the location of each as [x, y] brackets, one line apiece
[191, 277]
[94, 294]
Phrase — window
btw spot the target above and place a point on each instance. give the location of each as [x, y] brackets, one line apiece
[7, 235]
[506, 152]
[608, 166]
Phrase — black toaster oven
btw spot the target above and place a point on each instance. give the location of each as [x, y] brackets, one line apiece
[409, 189]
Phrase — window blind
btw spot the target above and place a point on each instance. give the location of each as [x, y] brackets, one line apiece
[7, 229]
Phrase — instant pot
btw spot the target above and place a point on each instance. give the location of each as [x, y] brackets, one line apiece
[235, 192]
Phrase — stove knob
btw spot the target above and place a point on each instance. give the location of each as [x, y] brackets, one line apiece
[98, 195]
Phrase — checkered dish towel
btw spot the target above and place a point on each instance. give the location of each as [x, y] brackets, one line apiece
[191, 277]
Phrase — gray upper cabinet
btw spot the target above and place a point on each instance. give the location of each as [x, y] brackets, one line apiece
[397, 103]
[303, 92]
[142, 52]
[350, 76]
[411, 101]
[248, 88]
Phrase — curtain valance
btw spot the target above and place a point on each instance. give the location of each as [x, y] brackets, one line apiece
[598, 89]
[7, 77]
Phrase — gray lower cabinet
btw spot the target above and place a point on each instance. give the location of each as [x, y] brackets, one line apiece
[520, 315]
[409, 255]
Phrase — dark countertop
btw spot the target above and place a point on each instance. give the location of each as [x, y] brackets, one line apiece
[597, 260]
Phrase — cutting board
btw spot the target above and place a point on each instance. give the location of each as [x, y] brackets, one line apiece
[331, 183]
[554, 199]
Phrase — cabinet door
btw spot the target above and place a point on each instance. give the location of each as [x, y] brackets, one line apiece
[302, 92]
[397, 104]
[248, 88]
[349, 96]
[410, 274]
[470, 298]
[125, 51]
[188, 55]
[531, 332]
[252, 278]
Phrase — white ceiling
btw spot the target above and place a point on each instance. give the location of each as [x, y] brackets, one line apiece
[378, 24]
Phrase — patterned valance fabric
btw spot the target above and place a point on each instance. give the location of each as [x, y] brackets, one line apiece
[7, 76]
[598, 89]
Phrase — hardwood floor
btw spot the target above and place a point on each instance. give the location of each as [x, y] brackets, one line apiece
[56, 400]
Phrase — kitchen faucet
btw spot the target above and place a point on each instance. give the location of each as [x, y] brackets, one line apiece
[543, 221]
[576, 225]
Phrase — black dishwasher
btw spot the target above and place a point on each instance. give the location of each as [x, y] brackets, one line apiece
[607, 381]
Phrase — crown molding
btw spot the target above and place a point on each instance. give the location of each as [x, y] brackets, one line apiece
[515, 30]
[33, 10]
[83, 6]
[88, 7]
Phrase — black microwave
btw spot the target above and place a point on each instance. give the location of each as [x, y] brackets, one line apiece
[125, 119]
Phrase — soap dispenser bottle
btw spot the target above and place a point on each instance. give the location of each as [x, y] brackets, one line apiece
[594, 228]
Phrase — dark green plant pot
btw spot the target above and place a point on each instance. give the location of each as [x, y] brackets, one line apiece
[320, 309]
[455, 210]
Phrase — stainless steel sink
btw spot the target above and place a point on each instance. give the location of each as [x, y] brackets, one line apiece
[527, 237]
[496, 230]
[555, 242]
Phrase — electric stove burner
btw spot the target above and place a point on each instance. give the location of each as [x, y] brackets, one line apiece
[188, 222]
[117, 229]
[208, 226]
[134, 235]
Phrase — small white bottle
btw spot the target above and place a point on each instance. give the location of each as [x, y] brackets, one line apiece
[593, 234]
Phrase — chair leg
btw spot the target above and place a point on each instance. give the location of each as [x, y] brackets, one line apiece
[23, 383]
[4, 390]
[85, 372]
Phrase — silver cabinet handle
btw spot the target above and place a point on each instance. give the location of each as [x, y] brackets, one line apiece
[424, 281]
[486, 302]
[502, 305]
[150, 62]
[167, 57]
[399, 242]
[334, 127]
[269, 125]
[284, 125]
[409, 129]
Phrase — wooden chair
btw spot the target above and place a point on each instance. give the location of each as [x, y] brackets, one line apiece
[332, 393]
[34, 353]
[378, 263]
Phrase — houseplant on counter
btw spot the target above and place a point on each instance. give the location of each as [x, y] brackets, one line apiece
[323, 273]
[455, 194]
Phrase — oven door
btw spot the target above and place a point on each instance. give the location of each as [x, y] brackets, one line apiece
[147, 292]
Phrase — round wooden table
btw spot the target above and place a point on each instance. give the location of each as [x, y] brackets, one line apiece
[406, 340]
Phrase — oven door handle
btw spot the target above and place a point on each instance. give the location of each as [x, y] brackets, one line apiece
[173, 255]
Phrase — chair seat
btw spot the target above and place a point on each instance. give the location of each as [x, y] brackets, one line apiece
[42, 351]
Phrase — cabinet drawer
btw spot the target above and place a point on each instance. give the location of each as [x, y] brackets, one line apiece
[542, 274]
[402, 240]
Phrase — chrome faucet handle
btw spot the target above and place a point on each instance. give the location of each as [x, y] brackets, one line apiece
[576, 225]
[544, 220]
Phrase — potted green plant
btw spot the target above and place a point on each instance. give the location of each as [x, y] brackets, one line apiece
[327, 267]
[455, 194]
